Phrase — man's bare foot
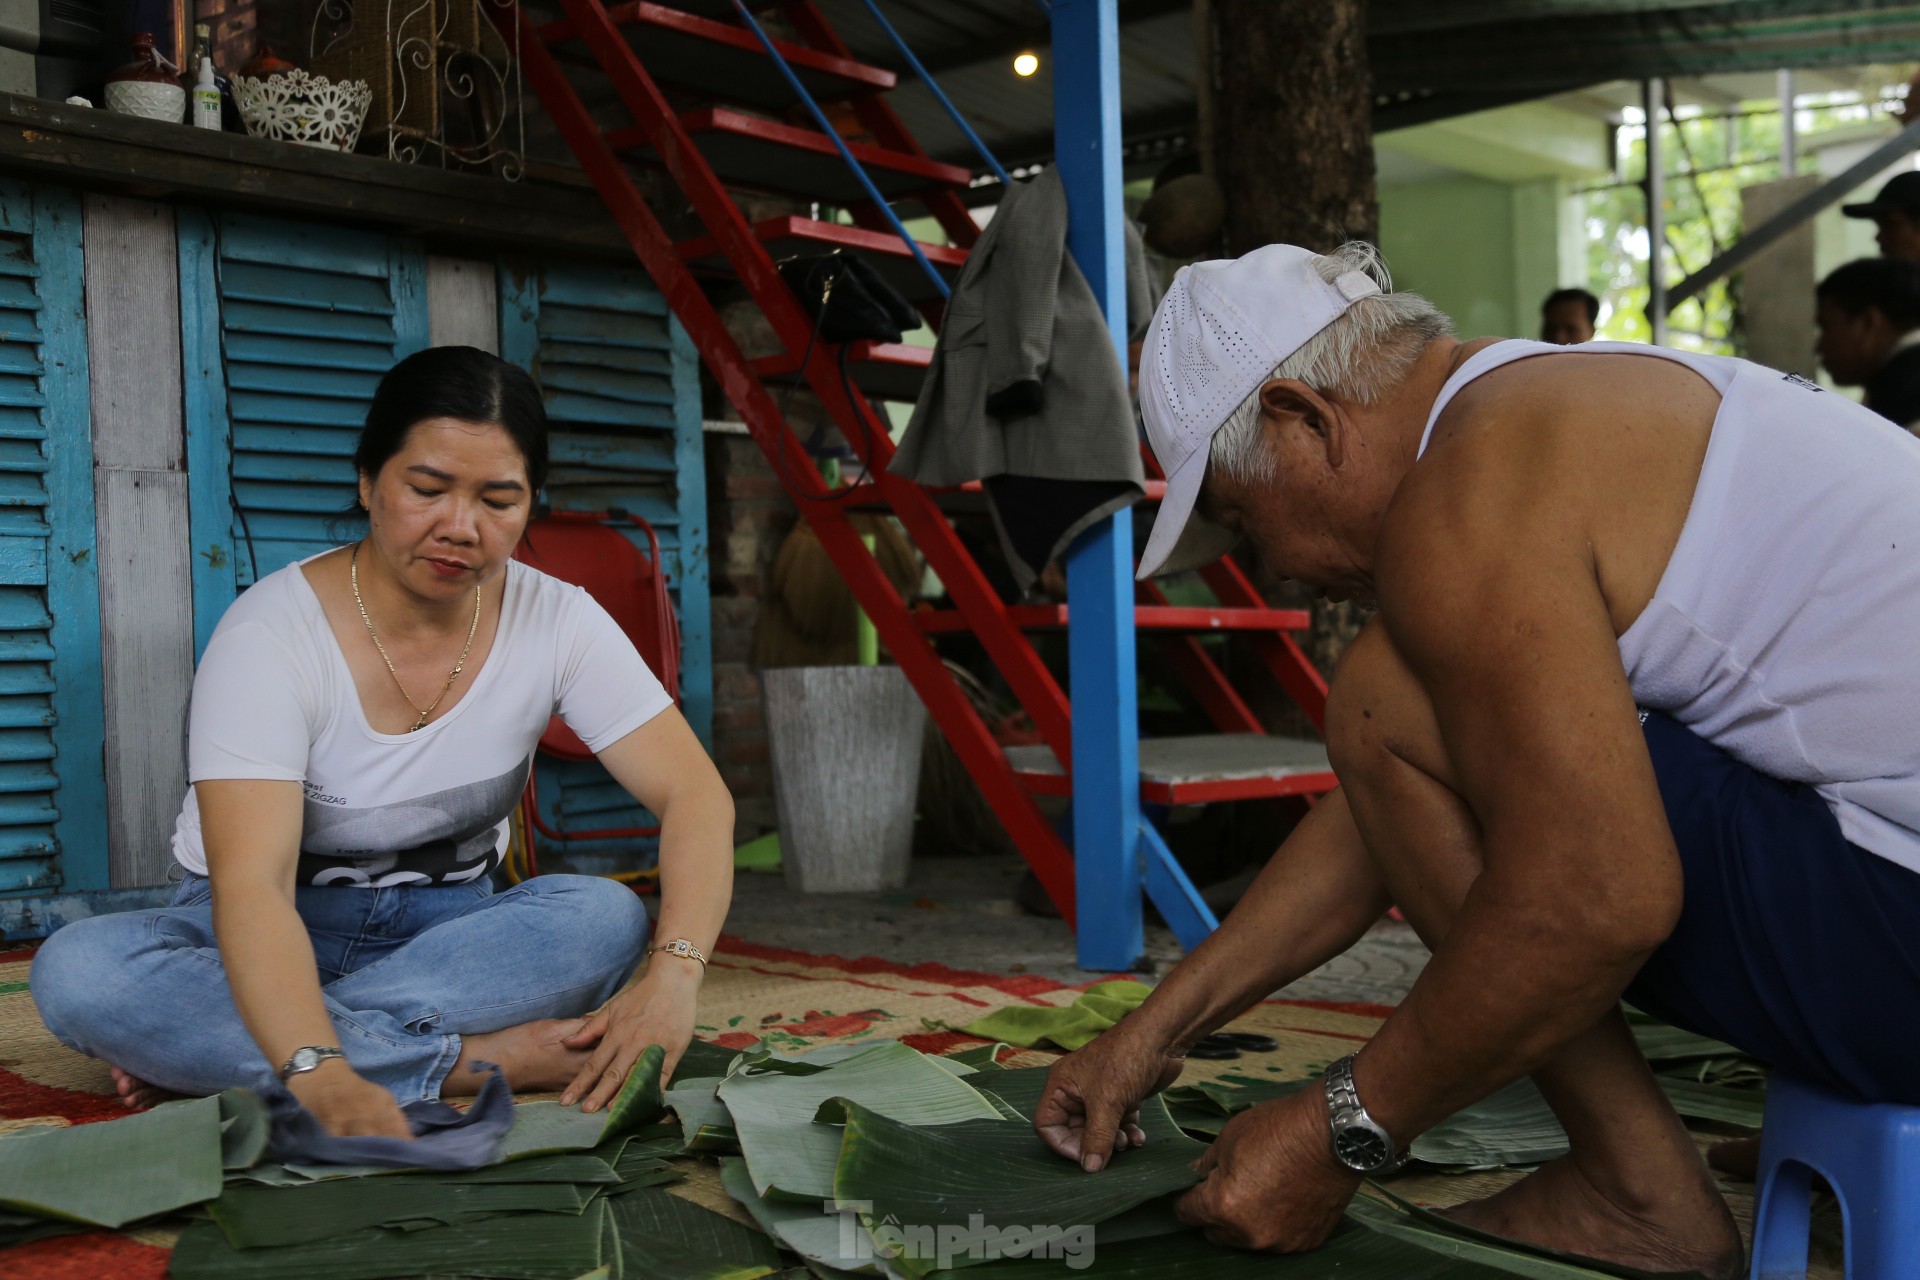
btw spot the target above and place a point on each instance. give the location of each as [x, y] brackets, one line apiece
[1737, 1157]
[532, 1055]
[136, 1094]
[1686, 1228]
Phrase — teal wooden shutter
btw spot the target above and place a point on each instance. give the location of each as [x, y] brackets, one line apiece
[295, 325]
[621, 383]
[52, 784]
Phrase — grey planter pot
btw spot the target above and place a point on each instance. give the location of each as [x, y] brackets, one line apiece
[845, 743]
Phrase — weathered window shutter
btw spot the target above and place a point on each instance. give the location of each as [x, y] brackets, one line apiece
[621, 383]
[295, 325]
[52, 786]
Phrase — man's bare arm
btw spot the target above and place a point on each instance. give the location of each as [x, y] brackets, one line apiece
[1313, 900]
[1504, 622]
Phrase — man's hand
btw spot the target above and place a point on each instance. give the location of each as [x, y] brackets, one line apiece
[349, 1105]
[1271, 1181]
[1091, 1105]
[659, 1009]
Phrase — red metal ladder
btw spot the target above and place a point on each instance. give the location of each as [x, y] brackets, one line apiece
[641, 50]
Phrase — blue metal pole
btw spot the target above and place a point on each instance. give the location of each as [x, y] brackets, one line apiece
[840, 144]
[933, 87]
[1106, 731]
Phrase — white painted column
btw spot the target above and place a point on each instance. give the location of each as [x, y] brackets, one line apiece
[463, 304]
[140, 499]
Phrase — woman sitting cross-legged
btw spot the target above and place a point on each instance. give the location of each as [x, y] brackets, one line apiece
[362, 726]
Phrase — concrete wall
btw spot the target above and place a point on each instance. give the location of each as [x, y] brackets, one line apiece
[1486, 252]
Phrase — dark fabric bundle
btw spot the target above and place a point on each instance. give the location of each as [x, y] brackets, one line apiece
[443, 1137]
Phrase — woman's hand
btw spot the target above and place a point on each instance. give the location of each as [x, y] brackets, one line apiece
[349, 1105]
[658, 1009]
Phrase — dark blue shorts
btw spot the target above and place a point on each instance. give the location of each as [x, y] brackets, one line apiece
[1793, 944]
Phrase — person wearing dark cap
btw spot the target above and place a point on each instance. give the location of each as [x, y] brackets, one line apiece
[1568, 316]
[1869, 317]
[1896, 215]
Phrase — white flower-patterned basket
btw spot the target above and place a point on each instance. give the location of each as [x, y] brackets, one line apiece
[293, 106]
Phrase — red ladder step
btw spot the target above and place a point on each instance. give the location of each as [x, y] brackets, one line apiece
[887, 370]
[722, 60]
[1040, 617]
[753, 151]
[1201, 770]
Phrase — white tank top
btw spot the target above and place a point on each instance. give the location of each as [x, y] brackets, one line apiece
[1786, 628]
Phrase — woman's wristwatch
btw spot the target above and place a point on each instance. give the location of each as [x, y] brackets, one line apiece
[683, 948]
[307, 1059]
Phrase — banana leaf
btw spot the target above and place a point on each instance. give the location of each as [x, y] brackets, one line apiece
[115, 1171]
[1396, 1221]
[1513, 1126]
[24, 1228]
[704, 1119]
[1664, 1044]
[1019, 1087]
[980, 1055]
[244, 1128]
[967, 1183]
[773, 1111]
[1415, 1219]
[268, 1217]
[514, 1246]
[1354, 1253]
[663, 1237]
[1743, 1108]
[703, 1059]
[639, 1171]
[835, 1241]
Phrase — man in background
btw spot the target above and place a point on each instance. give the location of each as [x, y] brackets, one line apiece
[1896, 216]
[1868, 313]
[1567, 317]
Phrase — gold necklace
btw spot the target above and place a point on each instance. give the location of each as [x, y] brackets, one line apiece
[353, 575]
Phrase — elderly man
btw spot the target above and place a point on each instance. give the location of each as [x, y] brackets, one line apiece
[1636, 718]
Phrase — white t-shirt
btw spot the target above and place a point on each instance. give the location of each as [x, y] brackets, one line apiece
[273, 699]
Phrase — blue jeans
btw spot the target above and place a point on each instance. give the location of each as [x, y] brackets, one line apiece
[405, 972]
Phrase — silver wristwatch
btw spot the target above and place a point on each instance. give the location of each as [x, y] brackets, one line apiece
[1358, 1141]
[304, 1060]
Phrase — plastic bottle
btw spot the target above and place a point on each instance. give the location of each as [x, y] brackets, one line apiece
[206, 99]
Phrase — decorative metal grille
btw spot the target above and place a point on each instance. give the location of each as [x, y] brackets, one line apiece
[446, 77]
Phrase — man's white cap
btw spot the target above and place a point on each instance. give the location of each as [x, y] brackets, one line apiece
[1219, 334]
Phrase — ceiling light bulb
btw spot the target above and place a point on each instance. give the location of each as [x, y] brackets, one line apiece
[1026, 64]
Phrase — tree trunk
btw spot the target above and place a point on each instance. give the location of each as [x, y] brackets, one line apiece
[1288, 105]
[1292, 121]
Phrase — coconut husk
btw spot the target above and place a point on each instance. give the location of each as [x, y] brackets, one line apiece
[1184, 216]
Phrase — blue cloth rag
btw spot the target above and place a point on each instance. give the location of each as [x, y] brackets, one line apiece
[443, 1136]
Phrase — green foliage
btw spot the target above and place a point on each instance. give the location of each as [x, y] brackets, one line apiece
[1708, 162]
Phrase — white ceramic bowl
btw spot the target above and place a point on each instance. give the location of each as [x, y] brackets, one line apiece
[148, 99]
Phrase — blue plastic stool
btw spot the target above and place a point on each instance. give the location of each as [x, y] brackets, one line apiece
[1869, 1154]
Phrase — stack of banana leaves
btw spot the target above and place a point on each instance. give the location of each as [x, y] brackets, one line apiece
[866, 1159]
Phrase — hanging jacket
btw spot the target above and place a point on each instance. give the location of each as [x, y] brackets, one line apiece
[1025, 391]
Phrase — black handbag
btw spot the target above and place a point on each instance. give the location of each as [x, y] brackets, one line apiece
[848, 300]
